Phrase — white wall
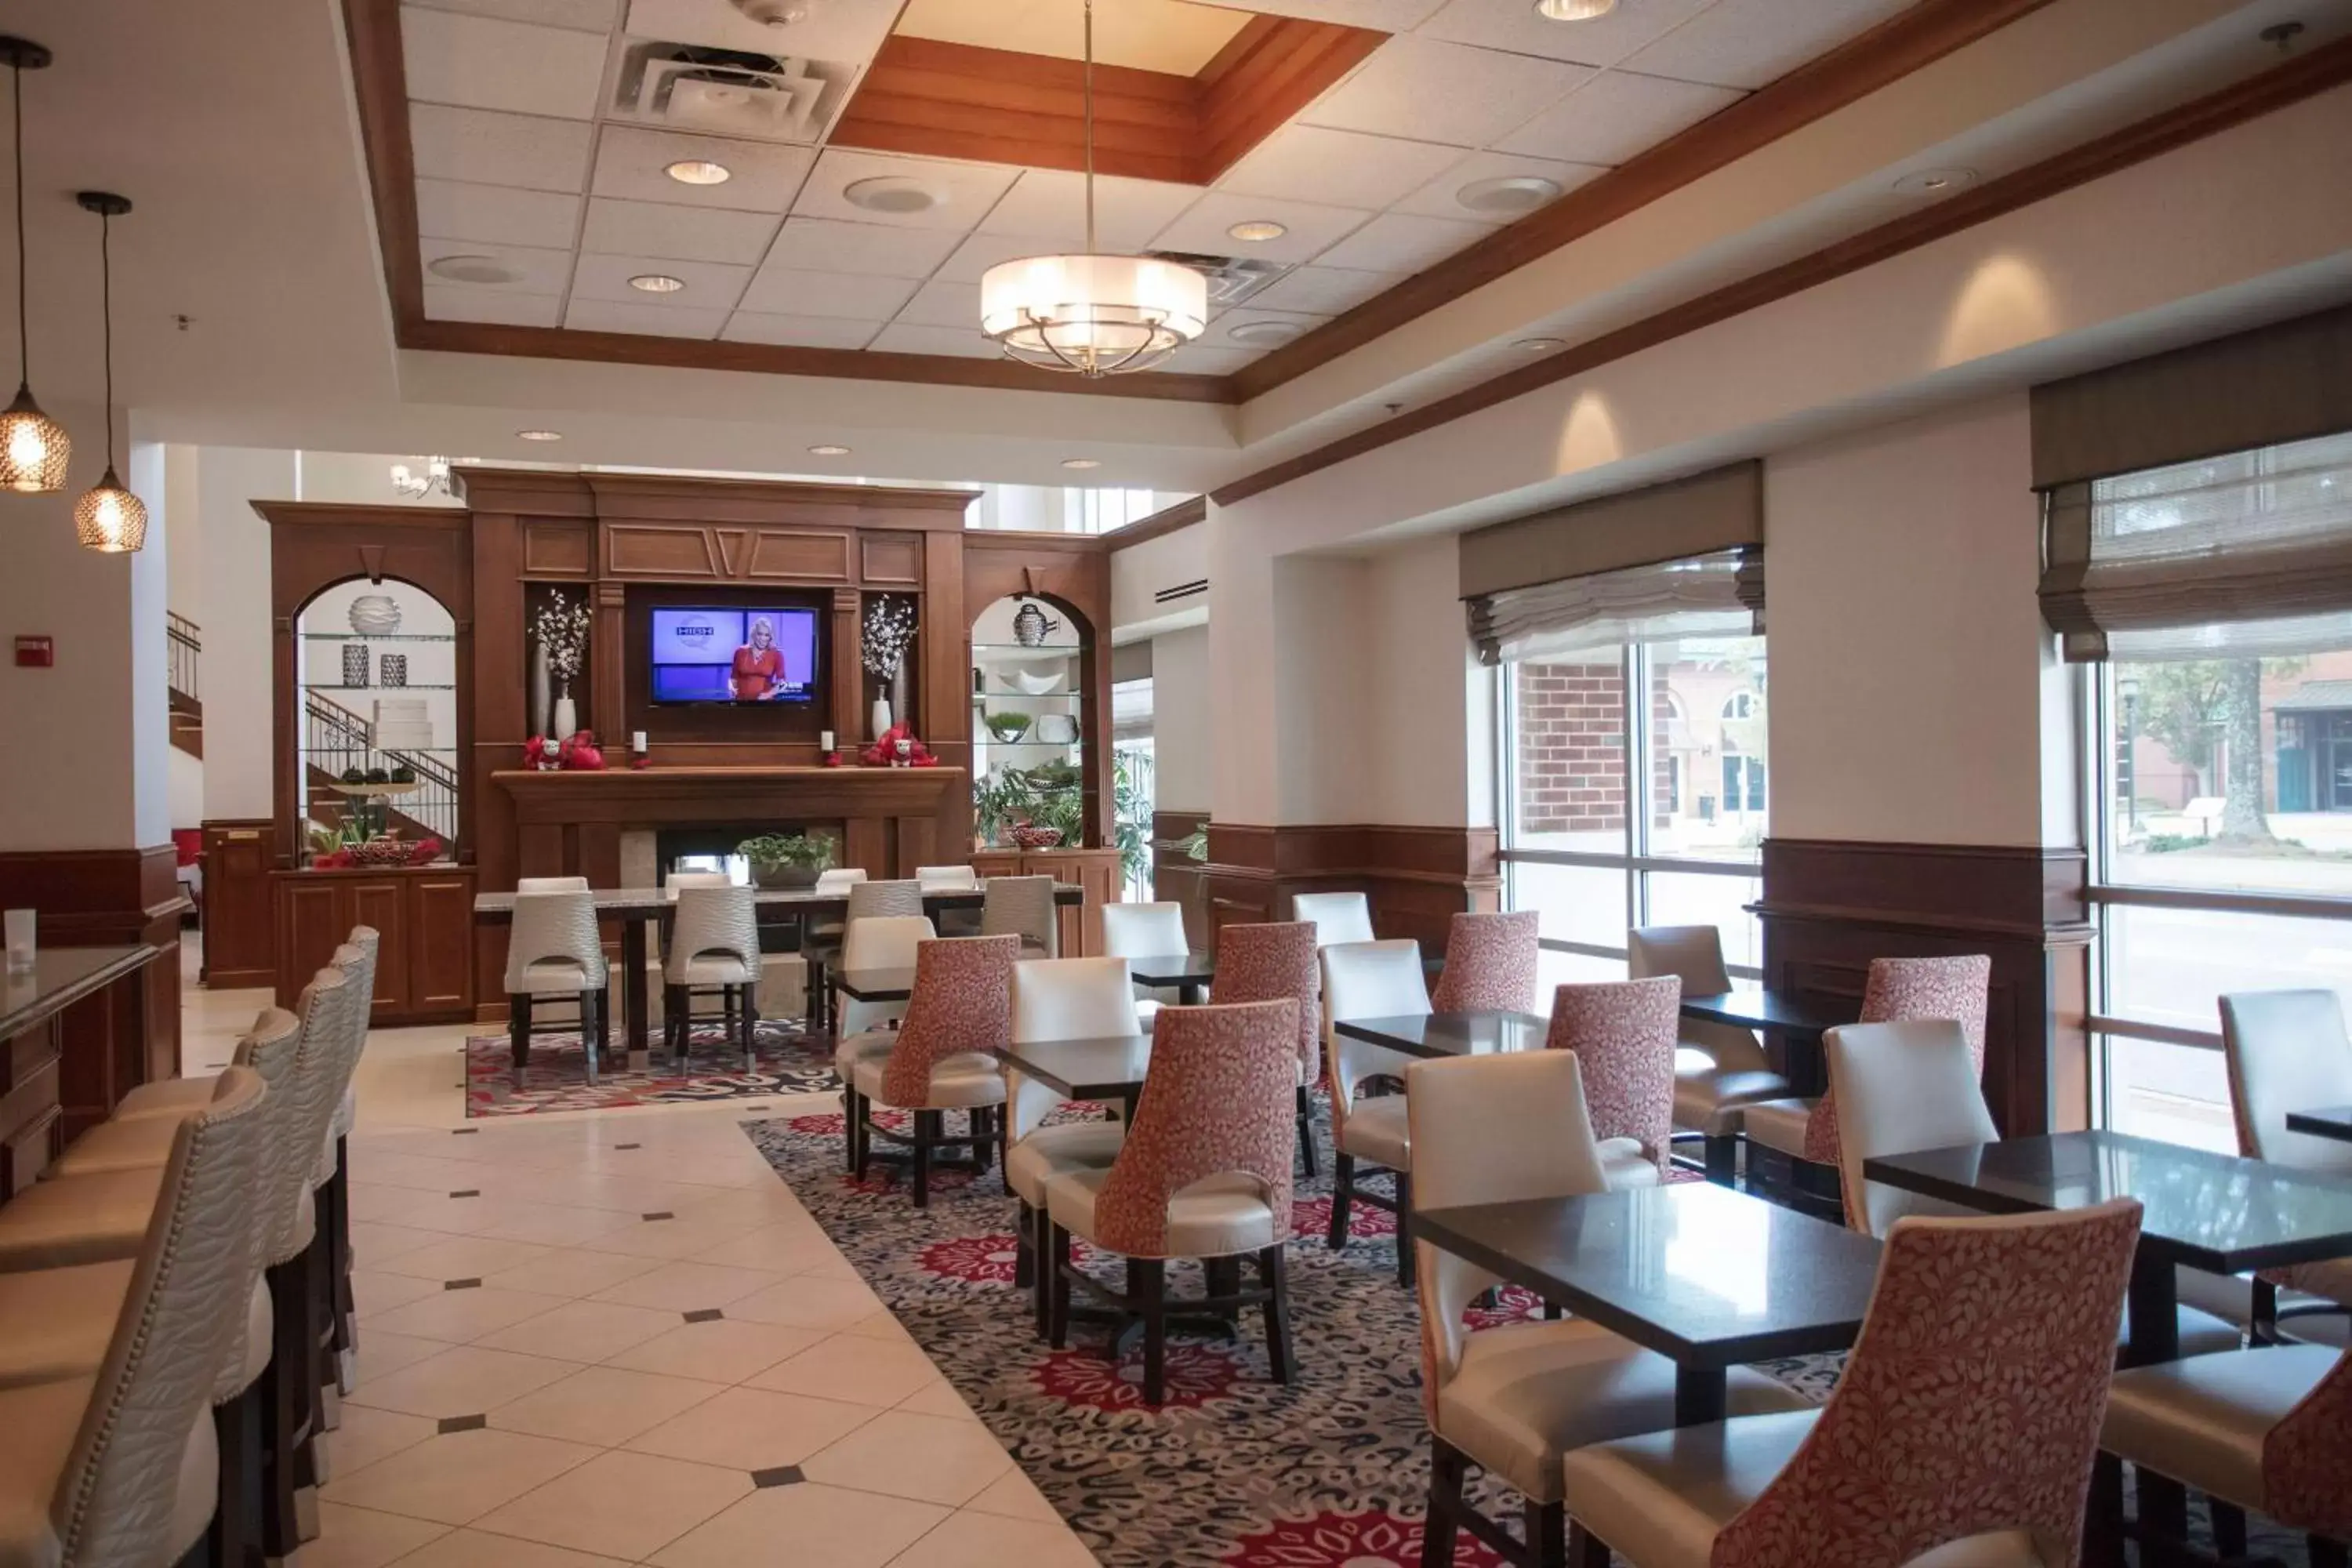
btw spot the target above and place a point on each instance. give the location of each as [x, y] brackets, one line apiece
[1140, 571]
[1426, 704]
[236, 619]
[1909, 663]
[1183, 721]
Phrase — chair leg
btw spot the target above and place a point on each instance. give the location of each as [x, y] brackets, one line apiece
[1447, 1471]
[519, 1029]
[1585, 1550]
[751, 1030]
[2262, 1330]
[283, 1408]
[1405, 1230]
[2229, 1528]
[2103, 1516]
[1056, 1260]
[865, 1136]
[1547, 1527]
[1025, 1251]
[1306, 1133]
[2325, 1553]
[927, 1132]
[237, 1516]
[1147, 1281]
[1276, 1278]
[1722, 1158]
[1343, 1190]
[591, 1029]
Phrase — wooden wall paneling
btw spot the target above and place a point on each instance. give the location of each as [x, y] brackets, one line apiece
[945, 647]
[609, 669]
[1176, 877]
[892, 561]
[1272, 69]
[850, 726]
[499, 673]
[311, 923]
[1415, 878]
[441, 961]
[558, 549]
[32, 1116]
[792, 555]
[867, 844]
[664, 554]
[239, 946]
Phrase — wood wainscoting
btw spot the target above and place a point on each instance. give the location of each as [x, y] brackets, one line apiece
[238, 924]
[1176, 877]
[1831, 906]
[424, 921]
[1418, 879]
[129, 1032]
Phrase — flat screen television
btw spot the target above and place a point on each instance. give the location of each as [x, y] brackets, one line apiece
[734, 656]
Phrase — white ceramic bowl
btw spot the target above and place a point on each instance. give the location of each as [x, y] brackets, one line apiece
[1035, 683]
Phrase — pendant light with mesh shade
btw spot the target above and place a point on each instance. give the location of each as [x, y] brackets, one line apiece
[108, 518]
[34, 447]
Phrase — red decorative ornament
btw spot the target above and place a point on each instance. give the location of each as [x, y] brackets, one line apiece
[541, 755]
[579, 754]
[885, 751]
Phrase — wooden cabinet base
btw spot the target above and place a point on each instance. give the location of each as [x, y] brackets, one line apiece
[1096, 871]
[425, 914]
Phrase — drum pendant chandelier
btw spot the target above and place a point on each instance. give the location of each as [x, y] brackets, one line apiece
[34, 447]
[1092, 314]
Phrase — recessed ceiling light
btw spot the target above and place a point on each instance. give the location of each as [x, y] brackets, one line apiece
[1081, 462]
[1936, 182]
[1509, 194]
[1258, 230]
[1539, 345]
[1574, 10]
[894, 194]
[828, 451]
[656, 283]
[473, 269]
[540, 435]
[1263, 332]
[699, 171]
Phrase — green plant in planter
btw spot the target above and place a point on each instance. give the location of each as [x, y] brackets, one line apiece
[999, 800]
[1008, 726]
[786, 859]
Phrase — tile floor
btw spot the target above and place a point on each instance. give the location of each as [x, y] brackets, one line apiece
[610, 1337]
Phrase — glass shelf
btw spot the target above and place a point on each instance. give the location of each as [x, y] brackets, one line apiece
[376, 636]
[1012, 696]
[1022, 650]
[1028, 744]
[380, 691]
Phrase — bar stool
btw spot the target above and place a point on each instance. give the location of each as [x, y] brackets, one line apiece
[553, 950]
[714, 946]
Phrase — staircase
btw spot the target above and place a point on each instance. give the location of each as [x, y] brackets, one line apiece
[335, 739]
[187, 707]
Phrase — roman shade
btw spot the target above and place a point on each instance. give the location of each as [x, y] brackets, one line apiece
[1676, 559]
[2248, 554]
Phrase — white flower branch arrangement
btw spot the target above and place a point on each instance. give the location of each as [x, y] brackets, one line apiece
[889, 629]
[562, 629]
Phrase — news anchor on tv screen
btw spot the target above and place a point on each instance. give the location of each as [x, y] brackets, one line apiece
[738, 656]
[759, 671]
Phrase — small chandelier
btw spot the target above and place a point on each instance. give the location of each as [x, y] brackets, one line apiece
[34, 447]
[435, 480]
[1093, 315]
[108, 518]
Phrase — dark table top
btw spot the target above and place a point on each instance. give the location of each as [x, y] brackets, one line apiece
[2214, 1212]
[1706, 1276]
[492, 909]
[1105, 1068]
[876, 984]
[1482, 1034]
[61, 976]
[1172, 968]
[2328, 1121]
[1753, 1008]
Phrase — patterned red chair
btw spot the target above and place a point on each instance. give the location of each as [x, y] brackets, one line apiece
[1898, 991]
[2266, 1430]
[1490, 964]
[1275, 962]
[1204, 1173]
[1623, 1034]
[1969, 1413]
[959, 1015]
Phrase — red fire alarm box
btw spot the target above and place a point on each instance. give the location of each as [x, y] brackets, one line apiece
[36, 653]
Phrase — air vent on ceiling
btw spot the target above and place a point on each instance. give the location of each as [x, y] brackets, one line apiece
[730, 92]
[1231, 280]
[1180, 591]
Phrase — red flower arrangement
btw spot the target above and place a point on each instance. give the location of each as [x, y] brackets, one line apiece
[883, 751]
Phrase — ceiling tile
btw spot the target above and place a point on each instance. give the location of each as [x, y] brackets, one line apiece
[849, 30]
[448, 209]
[457, 302]
[820, 245]
[1749, 43]
[966, 189]
[708, 285]
[1050, 203]
[1602, 41]
[1387, 15]
[1202, 229]
[490, 148]
[1323, 290]
[1346, 168]
[764, 178]
[1616, 115]
[1433, 91]
[1201, 359]
[943, 304]
[478, 62]
[646, 321]
[1220, 333]
[975, 255]
[902, 338]
[536, 270]
[590, 16]
[687, 233]
[1404, 242]
[1441, 197]
[850, 296]
[798, 332]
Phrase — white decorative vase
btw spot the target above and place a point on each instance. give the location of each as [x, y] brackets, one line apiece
[881, 717]
[541, 689]
[375, 615]
[567, 716]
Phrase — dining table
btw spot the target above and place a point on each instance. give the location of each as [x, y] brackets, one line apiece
[1106, 1069]
[2217, 1213]
[636, 909]
[2325, 1121]
[1793, 1020]
[1186, 974]
[1708, 1277]
[1483, 1033]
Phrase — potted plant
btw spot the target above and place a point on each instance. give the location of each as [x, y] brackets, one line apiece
[786, 859]
[1007, 727]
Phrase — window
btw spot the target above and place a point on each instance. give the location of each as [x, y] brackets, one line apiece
[2219, 790]
[1572, 757]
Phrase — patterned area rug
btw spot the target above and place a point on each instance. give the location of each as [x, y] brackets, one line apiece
[791, 1061]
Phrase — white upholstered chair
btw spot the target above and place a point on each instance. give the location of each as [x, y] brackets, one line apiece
[866, 1029]
[553, 949]
[1370, 980]
[1146, 931]
[551, 885]
[946, 878]
[1337, 917]
[1022, 907]
[1514, 1400]
[2286, 1050]
[714, 946]
[1719, 1069]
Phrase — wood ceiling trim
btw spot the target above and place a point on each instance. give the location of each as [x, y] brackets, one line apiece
[1904, 43]
[380, 76]
[937, 100]
[2327, 66]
